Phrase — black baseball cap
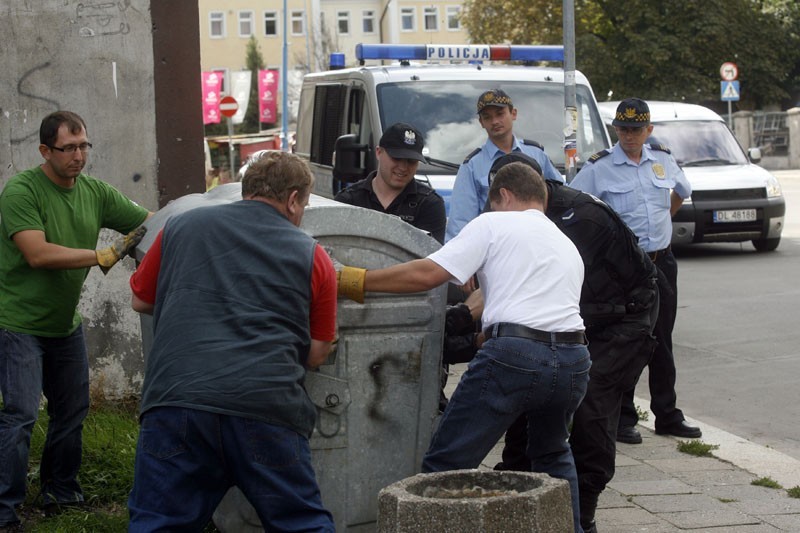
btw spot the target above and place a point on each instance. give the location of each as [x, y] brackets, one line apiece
[514, 157]
[494, 97]
[403, 141]
[632, 112]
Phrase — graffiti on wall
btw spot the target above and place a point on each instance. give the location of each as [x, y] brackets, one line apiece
[100, 19]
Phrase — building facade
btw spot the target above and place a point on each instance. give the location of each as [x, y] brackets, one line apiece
[315, 28]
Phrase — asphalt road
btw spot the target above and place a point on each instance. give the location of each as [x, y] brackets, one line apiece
[737, 336]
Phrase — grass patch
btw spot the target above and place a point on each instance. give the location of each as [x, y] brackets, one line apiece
[766, 482]
[109, 447]
[641, 413]
[727, 500]
[794, 492]
[696, 447]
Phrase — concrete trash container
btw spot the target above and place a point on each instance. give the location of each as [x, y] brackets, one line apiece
[377, 396]
[476, 500]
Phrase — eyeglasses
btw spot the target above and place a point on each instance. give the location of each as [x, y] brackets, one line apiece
[70, 148]
[632, 130]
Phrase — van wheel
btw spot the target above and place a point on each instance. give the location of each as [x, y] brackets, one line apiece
[766, 245]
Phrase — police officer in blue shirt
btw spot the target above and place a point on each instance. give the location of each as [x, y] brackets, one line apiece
[645, 185]
[496, 114]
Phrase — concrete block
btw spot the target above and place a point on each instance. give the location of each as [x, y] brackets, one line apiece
[476, 500]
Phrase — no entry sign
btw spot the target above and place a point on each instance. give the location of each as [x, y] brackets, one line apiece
[228, 106]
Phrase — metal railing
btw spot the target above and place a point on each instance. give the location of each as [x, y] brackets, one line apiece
[771, 132]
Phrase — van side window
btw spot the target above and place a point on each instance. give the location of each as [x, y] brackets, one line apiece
[329, 100]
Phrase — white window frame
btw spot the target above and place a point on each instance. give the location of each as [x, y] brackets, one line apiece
[368, 15]
[298, 15]
[453, 13]
[430, 13]
[276, 18]
[245, 17]
[216, 16]
[343, 16]
[408, 12]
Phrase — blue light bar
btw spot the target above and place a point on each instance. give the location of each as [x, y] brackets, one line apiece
[465, 52]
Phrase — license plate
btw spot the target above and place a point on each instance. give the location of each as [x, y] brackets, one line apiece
[735, 215]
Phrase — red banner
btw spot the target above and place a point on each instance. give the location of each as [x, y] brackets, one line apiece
[212, 83]
[268, 96]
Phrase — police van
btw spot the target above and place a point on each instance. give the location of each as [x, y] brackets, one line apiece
[435, 88]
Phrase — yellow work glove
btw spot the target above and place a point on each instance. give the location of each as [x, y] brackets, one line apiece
[351, 283]
[108, 257]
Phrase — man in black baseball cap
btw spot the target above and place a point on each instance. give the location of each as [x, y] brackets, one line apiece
[403, 141]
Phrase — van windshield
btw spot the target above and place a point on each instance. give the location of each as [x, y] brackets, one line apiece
[696, 143]
[444, 111]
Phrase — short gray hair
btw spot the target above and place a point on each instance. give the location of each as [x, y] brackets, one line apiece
[275, 175]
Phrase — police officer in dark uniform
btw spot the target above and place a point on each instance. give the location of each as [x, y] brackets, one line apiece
[392, 188]
[619, 306]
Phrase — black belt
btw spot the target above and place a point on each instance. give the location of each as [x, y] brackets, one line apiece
[507, 329]
[658, 253]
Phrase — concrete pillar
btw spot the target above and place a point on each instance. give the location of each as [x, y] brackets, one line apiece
[476, 500]
[793, 123]
[743, 128]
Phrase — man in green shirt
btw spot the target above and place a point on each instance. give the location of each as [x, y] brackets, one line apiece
[50, 219]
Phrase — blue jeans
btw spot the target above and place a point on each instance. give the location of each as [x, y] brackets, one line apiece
[508, 377]
[30, 365]
[186, 460]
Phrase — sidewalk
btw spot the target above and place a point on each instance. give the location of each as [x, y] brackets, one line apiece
[657, 489]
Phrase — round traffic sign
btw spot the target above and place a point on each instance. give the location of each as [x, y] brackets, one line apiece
[228, 106]
[729, 71]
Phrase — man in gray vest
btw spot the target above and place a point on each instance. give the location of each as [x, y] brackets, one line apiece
[243, 302]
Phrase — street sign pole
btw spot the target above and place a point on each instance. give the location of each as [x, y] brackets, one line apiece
[729, 88]
[230, 145]
[228, 107]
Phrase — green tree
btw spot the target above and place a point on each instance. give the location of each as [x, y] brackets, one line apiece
[659, 50]
[254, 62]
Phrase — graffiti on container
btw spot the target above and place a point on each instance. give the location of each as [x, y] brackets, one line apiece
[102, 18]
[379, 370]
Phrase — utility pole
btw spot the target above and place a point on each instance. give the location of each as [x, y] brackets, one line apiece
[570, 100]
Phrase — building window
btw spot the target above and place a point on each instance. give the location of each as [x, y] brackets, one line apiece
[431, 18]
[408, 19]
[343, 22]
[453, 14]
[298, 22]
[216, 23]
[245, 23]
[368, 22]
[270, 23]
[223, 76]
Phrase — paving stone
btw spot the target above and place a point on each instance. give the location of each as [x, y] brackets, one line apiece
[664, 450]
[624, 460]
[759, 528]
[782, 505]
[641, 488]
[678, 503]
[703, 519]
[639, 472]
[610, 499]
[689, 464]
[715, 477]
[785, 522]
[611, 519]
[659, 527]
[743, 492]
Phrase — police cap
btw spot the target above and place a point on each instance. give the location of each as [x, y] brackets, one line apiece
[632, 112]
[494, 97]
[403, 141]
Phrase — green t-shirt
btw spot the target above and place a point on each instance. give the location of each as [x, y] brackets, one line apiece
[41, 301]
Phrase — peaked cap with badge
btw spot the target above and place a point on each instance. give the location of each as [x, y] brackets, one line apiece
[632, 112]
[403, 141]
[495, 98]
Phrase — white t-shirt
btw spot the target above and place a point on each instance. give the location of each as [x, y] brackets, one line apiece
[529, 271]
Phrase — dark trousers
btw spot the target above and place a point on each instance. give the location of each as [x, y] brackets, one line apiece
[619, 354]
[662, 365]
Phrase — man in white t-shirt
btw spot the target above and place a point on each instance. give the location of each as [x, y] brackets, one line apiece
[534, 358]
